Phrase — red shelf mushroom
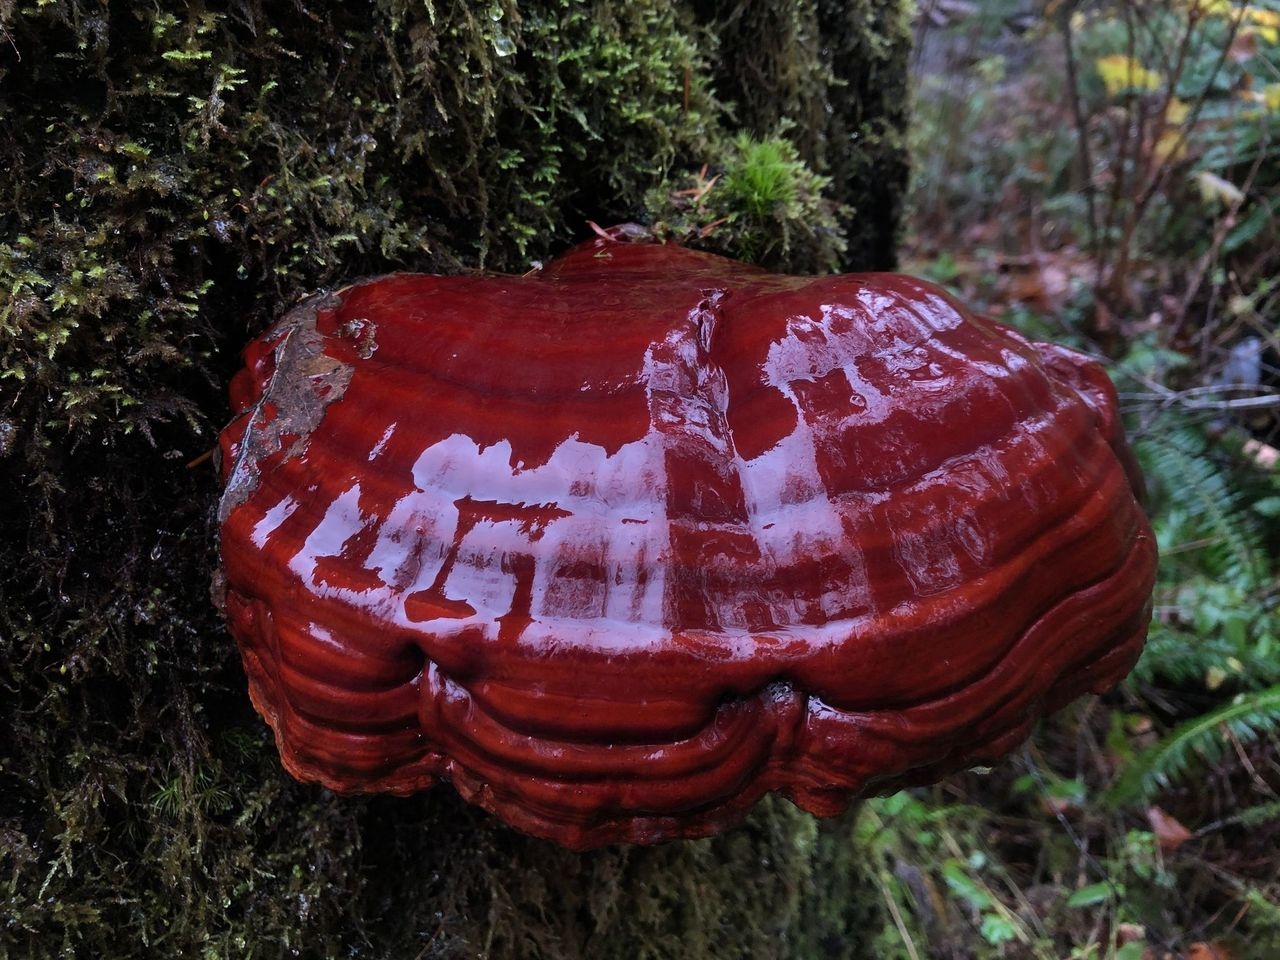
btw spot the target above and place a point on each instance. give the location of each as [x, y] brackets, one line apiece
[622, 545]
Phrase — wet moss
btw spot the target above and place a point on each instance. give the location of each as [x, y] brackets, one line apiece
[829, 75]
[763, 204]
[175, 175]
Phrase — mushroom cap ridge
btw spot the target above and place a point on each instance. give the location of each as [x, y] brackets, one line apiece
[622, 545]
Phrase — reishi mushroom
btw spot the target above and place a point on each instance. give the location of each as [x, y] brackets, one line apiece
[619, 546]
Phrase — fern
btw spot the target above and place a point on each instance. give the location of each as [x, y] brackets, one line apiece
[1213, 589]
[1202, 521]
[1248, 716]
[1186, 658]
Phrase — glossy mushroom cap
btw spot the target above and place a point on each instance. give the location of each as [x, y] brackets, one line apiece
[620, 546]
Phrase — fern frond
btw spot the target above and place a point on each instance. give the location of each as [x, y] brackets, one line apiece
[1248, 716]
[1176, 656]
[1185, 658]
[1197, 492]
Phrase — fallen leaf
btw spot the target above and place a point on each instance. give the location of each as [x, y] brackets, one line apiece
[1208, 951]
[1259, 15]
[1170, 834]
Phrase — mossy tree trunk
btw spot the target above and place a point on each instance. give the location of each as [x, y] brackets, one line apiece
[173, 176]
[831, 75]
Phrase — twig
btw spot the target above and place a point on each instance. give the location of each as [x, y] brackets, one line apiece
[207, 455]
[1082, 131]
[896, 914]
[1221, 229]
[1121, 175]
[1016, 923]
[1245, 761]
[1186, 399]
[1163, 170]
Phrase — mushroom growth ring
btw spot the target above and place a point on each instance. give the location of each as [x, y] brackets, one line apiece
[621, 545]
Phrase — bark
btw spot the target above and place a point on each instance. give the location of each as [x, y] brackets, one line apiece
[175, 176]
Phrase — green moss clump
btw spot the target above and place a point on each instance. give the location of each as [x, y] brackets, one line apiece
[763, 205]
[175, 176]
[830, 76]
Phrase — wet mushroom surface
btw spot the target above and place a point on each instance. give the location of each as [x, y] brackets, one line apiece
[621, 545]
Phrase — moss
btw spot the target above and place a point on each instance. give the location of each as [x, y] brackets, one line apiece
[763, 204]
[830, 76]
[176, 174]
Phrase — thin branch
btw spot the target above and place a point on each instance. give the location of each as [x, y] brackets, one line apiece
[1221, 229]
[898, 921]
[1193, 113]
[1082, 130]
[1262, 398]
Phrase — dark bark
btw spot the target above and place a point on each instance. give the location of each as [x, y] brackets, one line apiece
[173, 177]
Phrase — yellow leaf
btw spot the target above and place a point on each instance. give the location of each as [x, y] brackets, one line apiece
[1170, 146]
[1212, 8]
[1232, 10]
[1120, 73]
[1268, 97]
[1213, 187]
[1264, 18]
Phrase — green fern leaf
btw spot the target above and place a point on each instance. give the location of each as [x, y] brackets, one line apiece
[1207, 510]
[1248, 716]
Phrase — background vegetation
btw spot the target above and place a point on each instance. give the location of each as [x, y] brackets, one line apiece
[1108, 175]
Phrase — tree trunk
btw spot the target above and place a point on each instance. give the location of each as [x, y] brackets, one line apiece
[176, 175]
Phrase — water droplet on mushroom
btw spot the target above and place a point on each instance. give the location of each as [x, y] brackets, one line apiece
[496, 12]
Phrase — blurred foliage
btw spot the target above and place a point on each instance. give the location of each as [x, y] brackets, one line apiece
[174, 176]
[1105, 175]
